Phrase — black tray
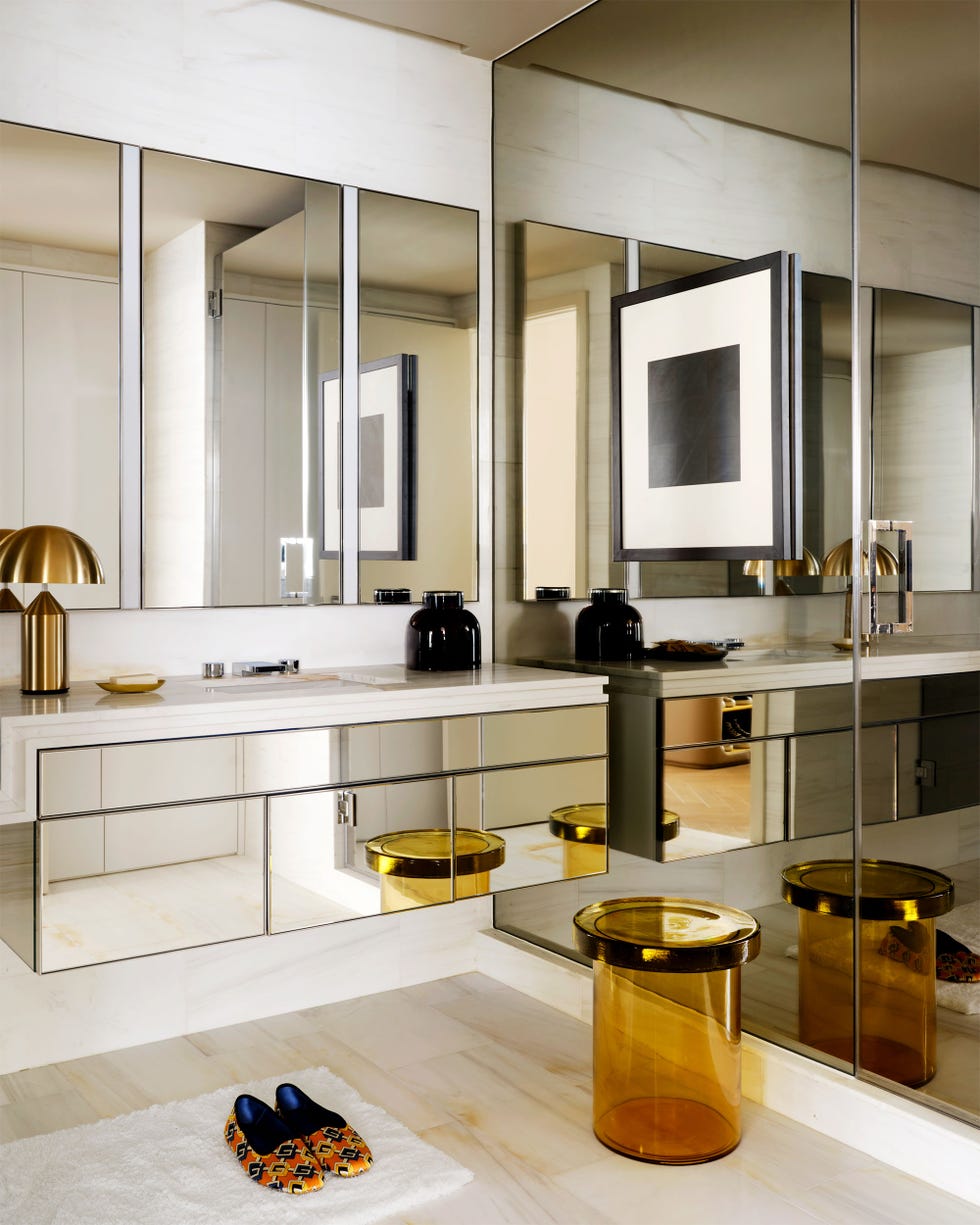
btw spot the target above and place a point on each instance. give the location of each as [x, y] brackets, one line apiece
[686, 653]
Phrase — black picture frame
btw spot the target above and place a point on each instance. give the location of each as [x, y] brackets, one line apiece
[387, 460]
[706, 388]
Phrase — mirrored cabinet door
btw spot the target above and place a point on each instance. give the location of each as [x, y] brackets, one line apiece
[339, 854]
[240, 293]
[125, 884]
[418, 396]
[551, 820]
[59, 344]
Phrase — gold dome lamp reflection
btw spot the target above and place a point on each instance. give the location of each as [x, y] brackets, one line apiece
[838, 563]
[783, 568]
[8, 601]
[46, 554]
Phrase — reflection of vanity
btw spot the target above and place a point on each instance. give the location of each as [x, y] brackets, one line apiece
[792, 776]
[214, 810]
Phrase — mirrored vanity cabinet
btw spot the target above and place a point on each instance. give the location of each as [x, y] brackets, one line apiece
[236, 808]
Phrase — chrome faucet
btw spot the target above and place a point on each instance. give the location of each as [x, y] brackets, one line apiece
[258, 667]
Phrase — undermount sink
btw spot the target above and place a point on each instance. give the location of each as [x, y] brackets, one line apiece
[273, 681]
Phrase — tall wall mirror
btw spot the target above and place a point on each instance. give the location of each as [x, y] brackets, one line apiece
[240, 269]
[418, 396]
[59, 344]
[653, 138]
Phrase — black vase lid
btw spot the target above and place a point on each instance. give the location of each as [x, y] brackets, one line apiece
[608, 595]
[442, 599]
[392, 595]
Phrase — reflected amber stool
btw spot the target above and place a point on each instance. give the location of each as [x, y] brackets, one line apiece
[666, 1025]
[417, 865]
[899, 905]
[582, 829]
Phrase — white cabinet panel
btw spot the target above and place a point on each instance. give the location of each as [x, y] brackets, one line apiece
[146, 839]
[168, 771]
[73, 848]
[287, 761]
[11, 400]
[71, 781]
[71, 419]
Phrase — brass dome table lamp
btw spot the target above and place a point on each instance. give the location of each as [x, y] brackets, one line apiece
[837, 564]
[8, 601]
[46, 554]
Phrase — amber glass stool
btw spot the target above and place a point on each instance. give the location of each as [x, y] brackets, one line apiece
[416, 865]
[899, 905]
[582, 829]
[666, 1025]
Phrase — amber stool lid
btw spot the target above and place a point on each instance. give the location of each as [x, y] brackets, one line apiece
[889, 890]
[672, 934]
[579, 823]
[429, 854]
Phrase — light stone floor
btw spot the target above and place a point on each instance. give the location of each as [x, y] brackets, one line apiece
[502, 1083]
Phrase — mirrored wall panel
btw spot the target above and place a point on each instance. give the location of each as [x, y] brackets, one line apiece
[240, 272]
[59, 344]
[418, 397]
[919, 111]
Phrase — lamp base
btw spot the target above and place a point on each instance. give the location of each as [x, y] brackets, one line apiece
[44, 647]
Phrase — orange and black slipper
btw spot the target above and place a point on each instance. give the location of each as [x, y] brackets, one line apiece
[331, 1139]
[269, 1152]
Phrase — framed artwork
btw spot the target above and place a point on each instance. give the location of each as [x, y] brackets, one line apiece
[706, 382]
[387, 460]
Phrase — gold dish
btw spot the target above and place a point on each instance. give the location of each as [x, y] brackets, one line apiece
[115, 687]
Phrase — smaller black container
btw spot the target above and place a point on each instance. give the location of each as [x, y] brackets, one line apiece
[442, 636]
[608, 628]
[392, 595]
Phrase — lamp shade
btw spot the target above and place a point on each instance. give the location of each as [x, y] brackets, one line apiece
[46, 554]
[784, 567]
[838, 560]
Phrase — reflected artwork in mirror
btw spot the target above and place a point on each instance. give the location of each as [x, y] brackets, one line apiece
[418, 316]
[59, 345]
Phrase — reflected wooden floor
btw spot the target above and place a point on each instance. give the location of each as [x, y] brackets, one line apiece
[503, 1084]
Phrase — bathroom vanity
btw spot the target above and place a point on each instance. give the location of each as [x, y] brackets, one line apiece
[758, 747]
[218, 809]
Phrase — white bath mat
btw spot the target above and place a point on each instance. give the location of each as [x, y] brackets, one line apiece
[170, 1165]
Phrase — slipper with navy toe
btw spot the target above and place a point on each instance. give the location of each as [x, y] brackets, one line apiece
[335, 1144]
[269, 1152]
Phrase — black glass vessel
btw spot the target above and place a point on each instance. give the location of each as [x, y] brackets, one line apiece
[442, 636]
[608, 627]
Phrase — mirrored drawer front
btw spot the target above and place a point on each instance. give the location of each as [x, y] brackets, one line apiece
[291, 761]
[133, 883]
[419, 746]
[137, 775]
[544, 735]
[70, 780]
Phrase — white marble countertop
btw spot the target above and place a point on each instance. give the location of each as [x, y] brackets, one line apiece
[788, 667]
[190, 706]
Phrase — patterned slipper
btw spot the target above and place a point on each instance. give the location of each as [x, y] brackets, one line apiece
[334, 1143]
[268, 1151]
